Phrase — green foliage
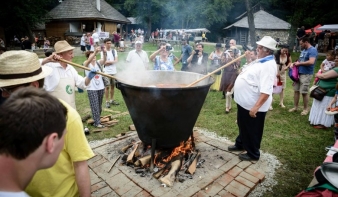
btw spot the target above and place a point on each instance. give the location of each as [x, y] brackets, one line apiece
[21, 15]
[180, 13]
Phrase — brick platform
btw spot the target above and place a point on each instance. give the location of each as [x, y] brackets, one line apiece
[223, 173]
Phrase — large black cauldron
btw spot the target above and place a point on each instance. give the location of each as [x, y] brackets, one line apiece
[165, 114]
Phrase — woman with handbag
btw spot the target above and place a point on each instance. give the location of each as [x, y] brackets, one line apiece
[283, 61]
[327, 81]
[215, 58]
[95, 89]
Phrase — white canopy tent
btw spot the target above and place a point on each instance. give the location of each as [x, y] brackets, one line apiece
[333, 27]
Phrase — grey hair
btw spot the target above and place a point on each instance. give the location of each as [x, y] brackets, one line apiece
[271, 52]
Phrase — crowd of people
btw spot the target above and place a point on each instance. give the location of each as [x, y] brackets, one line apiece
[49, 87]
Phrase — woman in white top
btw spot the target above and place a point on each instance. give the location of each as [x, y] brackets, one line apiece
[95, 89]
[161, 58]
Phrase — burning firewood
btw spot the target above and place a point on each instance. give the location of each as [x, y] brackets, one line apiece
[143, 161]
[130, 157]
[192, 167]
[124, 149]
[169, 179]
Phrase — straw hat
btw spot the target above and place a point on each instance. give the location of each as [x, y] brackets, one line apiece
[19, 67]
[268, 42]
[62, 46]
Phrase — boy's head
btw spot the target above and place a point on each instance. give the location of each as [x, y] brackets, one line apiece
[32, 122]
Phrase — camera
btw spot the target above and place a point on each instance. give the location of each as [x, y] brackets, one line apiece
[168, 48]
[197, 51]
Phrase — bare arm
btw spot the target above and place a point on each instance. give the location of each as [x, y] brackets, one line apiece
[327, 75]
[261, 100]
[108, 63]
[178, 60]
[322, 67]
[310, 62]
[91, 57]
[190, 57]
[152, 56]
[333, 101]
[82, 178]
[210, 56]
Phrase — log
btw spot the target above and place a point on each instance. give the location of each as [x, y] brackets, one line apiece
[132, 127]
[143, 161]
[169, 179]
[124, 149]
[192, 167]
[104, 120]
[100, 129]
[157, 174]
[109, 110]
[131, 155]
[118, 115]
[90, 121]
[140, 150]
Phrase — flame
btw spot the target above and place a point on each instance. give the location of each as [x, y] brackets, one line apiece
[183, 149]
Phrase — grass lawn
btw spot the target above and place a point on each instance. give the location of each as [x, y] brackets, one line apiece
[288, 136]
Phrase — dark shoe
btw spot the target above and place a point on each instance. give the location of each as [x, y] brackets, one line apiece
[234, 148]
[246, 157]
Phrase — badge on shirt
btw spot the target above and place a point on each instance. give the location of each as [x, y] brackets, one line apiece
[69, 89]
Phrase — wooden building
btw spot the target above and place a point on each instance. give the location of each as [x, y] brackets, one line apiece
[265, 25]
[75, 17]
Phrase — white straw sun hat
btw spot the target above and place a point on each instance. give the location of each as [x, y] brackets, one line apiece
[19, 67]
[268, 42]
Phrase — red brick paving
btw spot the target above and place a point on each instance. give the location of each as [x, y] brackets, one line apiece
[222, 175]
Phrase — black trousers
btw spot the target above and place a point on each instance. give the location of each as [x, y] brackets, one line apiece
[250, 131]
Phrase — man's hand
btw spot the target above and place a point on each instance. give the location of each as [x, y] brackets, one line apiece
[253, 111]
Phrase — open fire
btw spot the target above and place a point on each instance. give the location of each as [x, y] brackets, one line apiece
[169, 165]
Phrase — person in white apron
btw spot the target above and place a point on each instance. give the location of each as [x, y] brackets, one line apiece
[62, 81]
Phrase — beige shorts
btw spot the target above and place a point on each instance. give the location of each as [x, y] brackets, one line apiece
[304, 83]
[111, 82]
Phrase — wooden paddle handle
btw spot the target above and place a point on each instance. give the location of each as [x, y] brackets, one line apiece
[208, 75]
[85, 68]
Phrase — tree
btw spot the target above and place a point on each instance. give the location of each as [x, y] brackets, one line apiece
[17, 17]
[251, 23]
[146, 11]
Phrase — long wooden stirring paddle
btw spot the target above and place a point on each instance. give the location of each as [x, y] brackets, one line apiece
[86, 68]
[208, 75]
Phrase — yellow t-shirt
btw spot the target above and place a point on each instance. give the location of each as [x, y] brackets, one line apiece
[59, 180]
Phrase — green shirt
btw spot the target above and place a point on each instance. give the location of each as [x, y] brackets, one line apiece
[329, 84]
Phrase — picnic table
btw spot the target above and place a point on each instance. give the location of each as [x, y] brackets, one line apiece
[156, 41]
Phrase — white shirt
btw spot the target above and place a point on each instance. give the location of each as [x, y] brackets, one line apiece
[52, 80]
[139, 59]
[110, 69]
[83, 41]
[255, 78]
[95, 37]
[328, 65]
[96, 83]
[13, 194]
